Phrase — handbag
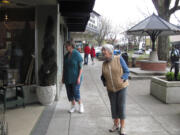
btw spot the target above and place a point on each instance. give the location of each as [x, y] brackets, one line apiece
[103, 80]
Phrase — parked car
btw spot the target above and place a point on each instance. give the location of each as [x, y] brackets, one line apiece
[148, 51]
[116, 52]
[139, 52]
[98, 51]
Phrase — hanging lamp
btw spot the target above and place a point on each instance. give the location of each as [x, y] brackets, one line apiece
[5, 1]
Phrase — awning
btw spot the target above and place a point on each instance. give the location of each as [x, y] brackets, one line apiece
[76, 13]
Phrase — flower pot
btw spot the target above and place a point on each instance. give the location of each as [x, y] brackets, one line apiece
[46, 94]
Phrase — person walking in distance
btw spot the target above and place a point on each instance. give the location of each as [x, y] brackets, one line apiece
[175, 55]
[87, 51]
[72, 76]
[93, 54]
[115, 77]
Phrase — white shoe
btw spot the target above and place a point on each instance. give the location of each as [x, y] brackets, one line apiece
[114, 128]
[122, 131]
[73, 109]
[81, 108]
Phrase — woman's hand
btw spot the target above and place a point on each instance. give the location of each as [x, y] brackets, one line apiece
[78, 80]
[62, 80]
[121, 80]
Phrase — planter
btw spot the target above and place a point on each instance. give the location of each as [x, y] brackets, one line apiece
[46, 94]
[166, 91]
[153, 65]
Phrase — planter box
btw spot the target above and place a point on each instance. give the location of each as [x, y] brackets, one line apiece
[166, 91]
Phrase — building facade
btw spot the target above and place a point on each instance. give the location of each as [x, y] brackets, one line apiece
[68, 16]
[92, 29]
[93, 23]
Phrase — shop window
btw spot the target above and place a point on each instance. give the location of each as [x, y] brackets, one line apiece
[17, 47]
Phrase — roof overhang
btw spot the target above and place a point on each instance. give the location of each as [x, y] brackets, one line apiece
[20, 10]
[76, 13]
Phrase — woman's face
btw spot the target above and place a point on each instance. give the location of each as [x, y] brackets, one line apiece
[106, 53]
[68, 48]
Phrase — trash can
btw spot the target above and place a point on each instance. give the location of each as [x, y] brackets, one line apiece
[133, 62]
[125, 57]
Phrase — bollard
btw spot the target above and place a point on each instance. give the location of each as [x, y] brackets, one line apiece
[133, 62]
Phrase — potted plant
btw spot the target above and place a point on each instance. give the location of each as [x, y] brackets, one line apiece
[166, 88]
[47, 73]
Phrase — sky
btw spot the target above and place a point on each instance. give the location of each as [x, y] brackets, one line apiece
[125, 12]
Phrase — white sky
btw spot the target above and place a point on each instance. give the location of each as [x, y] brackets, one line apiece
[122, 12]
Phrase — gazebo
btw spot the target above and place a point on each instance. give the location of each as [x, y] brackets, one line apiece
[153, 26]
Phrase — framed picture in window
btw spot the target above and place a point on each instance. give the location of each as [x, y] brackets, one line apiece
[8, 35]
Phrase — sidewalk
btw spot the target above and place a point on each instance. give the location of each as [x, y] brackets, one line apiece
[145, 114]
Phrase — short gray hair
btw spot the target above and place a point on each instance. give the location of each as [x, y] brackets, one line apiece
[69, 43]
[109, 48]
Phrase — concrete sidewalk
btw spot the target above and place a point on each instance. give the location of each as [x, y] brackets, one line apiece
[145, 114]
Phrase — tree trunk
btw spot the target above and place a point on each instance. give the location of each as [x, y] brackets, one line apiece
[162, 48]
[163, 41]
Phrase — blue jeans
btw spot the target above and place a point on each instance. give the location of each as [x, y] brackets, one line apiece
[118, 103]
[73, 91]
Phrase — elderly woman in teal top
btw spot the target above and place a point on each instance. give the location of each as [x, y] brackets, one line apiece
[72, 76]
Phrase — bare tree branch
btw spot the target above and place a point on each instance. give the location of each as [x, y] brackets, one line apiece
[104, 30]
[176, 7]
[164, 11]
[176, 18]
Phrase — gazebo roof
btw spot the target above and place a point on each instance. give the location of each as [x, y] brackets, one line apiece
[154, 23]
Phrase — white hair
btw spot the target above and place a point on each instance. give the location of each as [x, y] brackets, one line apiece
[109, 48]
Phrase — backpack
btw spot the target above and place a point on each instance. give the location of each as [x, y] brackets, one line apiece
[175, 55]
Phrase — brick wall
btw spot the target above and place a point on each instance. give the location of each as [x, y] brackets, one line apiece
[153, 66]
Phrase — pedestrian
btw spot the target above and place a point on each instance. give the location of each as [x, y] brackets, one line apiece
[175, 55]
[87, 51]
[115, 77]
[72, 76]
[93, 54]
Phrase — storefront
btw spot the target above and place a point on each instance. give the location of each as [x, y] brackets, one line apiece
[22, 29]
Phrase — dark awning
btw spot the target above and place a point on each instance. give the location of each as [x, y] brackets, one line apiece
[76, 13]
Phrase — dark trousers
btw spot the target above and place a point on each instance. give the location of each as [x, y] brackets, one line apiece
[86, 58]
[175, 65]
[176, 70]
[172, 66]
[92, 58]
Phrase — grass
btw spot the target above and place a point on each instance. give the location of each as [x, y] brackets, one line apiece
[138, 57]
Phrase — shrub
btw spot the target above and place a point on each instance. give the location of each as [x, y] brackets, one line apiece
[170, 76]
[178, 77]
[48, 69]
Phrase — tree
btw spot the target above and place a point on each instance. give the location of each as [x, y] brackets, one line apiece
[48, 70]
[164, 11]
[113, 34]
[103, 31]
[132, 40]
